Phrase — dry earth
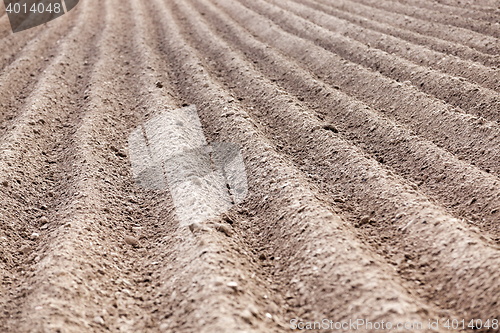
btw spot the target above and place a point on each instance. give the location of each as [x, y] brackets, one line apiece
[370, 132]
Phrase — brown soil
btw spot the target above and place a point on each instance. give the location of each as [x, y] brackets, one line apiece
[370, 135]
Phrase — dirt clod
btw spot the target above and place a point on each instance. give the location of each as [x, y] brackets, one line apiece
[195, 227]
[247, 316]
[121, 154]
[330, 127]
[131, 241]
[25, 249]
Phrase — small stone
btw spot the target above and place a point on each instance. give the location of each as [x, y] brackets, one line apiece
[224, 229]
[34, 235]
[5, 183]
[233, 285]
[159, 84]
[364, 220]
[99, 320]
[43, 220]
[164, 327]
[131, 241]
[262, 256]
[268, 315]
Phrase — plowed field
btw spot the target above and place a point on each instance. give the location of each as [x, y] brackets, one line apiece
[370, 134]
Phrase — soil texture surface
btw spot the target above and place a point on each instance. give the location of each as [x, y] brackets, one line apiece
[369, 131]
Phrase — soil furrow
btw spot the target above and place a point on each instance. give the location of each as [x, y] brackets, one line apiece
[383, 193]
[449, 128]
[13, 44]
[472, 98]
[480, 42]
[374, 20]
[99, 262]
[293, 219]
[423, 56]
[184, 256]
[471, 11]
[483, 28]
[438, 173]
[473, 5]
[232, 255]
[37, 183]
[19, 78]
